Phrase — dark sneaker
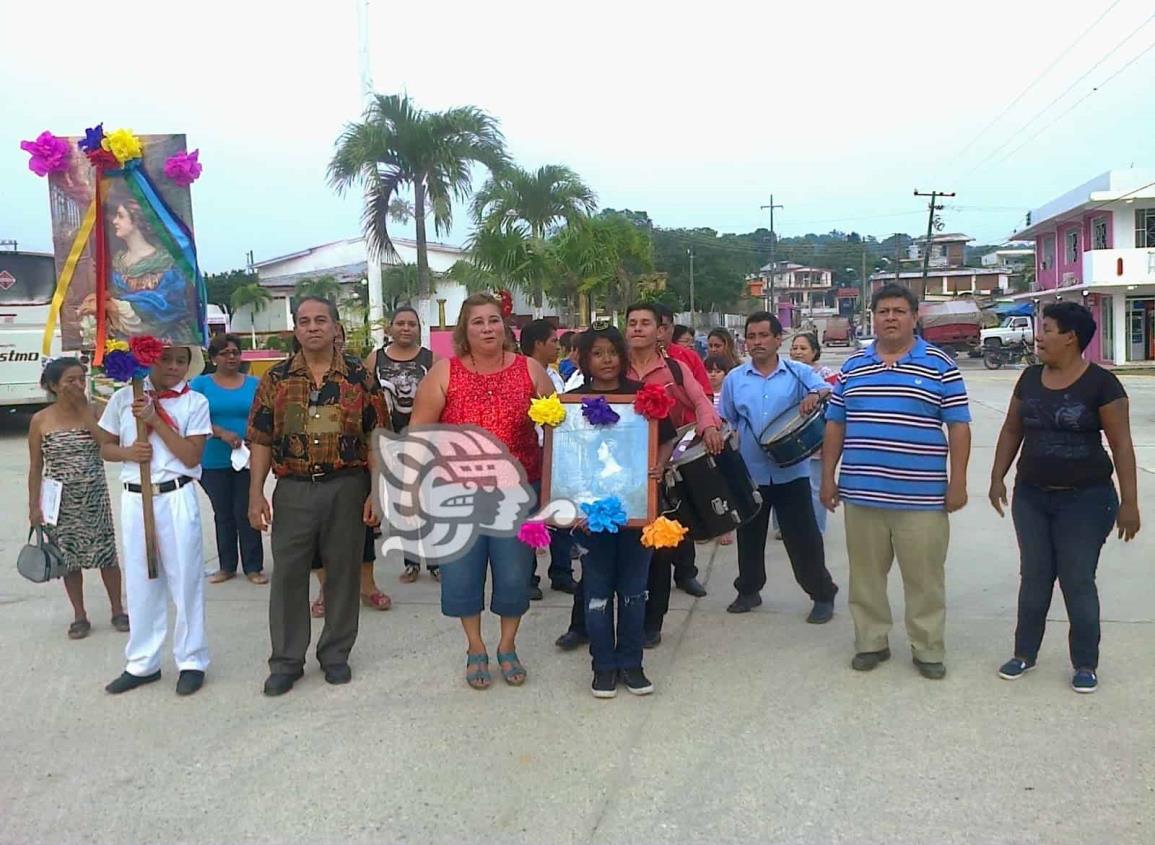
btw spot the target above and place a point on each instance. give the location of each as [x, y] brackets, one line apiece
[190, 681]
[535, 593]
[1014, 669]
[564, 586]
[570, 640]
[651, 639]
[636, 681]
[605, 685]
[821, 613]
[864, 661]
[930, 671]
[339, 674]
[1085, 680]
[127, 682]
[693, 587]
[280, 683]
[744, 604]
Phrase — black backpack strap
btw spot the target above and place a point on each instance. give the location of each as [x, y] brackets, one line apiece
[425, 358]
[676, 371]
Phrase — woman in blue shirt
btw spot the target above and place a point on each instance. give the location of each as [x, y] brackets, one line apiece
[230, 393]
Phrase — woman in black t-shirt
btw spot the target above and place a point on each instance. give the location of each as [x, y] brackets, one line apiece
[1065, 503]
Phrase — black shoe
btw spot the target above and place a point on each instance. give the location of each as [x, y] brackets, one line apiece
[605, 684]
[745, 603]
[930, 671]
[535, 593]
[280, 683]
[564, 586]
[190, 681]
[864, 661]
[651, 639]
[128, 681]
[692, 586]
[339, 674]
[636, 681]
[821, 613]
[570, 640]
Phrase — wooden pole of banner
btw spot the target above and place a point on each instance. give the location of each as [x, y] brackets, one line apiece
[146, 492]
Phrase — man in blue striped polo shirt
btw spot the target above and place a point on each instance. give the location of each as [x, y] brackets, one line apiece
[885, 422]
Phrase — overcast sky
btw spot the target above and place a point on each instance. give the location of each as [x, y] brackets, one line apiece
[695, 113]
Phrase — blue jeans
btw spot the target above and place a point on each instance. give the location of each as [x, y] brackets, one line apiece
[1061, 533]
[228, 490]
[463, 579]
[615, 564]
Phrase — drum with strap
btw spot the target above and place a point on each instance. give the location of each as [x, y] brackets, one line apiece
[792, 437]
[710, 494]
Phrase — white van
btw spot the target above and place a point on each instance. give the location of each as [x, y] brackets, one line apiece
[27, 282]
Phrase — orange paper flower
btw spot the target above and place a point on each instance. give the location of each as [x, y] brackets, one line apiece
[663, 533]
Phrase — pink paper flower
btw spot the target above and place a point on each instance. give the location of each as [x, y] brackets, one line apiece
[534, 534]
[49, 153]
[183, 168]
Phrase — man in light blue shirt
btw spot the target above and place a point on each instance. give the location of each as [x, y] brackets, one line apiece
[753, 395]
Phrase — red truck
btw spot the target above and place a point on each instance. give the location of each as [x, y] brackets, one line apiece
[954, 326]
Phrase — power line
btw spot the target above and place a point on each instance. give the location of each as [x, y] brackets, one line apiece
[1038, 78]
[1061, 95]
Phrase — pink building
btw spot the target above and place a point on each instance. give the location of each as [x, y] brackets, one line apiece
[1096, 244]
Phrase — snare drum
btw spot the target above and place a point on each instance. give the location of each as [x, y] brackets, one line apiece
[791, 438]
[711, 494]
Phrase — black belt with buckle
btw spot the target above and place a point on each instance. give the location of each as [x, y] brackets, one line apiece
[321, 477]
[163, 487]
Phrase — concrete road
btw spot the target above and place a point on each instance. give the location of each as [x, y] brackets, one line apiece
[758, 732]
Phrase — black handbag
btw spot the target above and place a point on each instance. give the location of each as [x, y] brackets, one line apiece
[40, 561]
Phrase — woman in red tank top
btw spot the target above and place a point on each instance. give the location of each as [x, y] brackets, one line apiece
[487, 385]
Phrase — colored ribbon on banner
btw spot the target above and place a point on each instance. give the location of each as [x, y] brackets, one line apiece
[101, 270]
[66, 274]
[176, 236]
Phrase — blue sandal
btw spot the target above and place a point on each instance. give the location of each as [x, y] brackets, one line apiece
[515, 675]
[478, 678]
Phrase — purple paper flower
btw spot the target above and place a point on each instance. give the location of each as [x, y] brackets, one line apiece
[49, 153]
[606, 514]
[598, 411]
[119, 366]
[183, 168]
[90, 143]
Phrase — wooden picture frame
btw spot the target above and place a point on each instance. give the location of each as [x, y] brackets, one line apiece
[572, 452]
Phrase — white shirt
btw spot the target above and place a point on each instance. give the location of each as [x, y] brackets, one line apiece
[191, 414]
[555, 377]
[576, 380]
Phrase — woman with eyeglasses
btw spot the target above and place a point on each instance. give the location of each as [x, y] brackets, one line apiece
[230, 394]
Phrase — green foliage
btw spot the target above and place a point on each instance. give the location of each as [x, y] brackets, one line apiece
[250, 295]
[325, 287]
[220, 286]
[399, 146]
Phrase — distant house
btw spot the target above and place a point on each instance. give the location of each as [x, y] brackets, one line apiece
[1011, 256]
[800, 291]
[946, 251]
[1095, 244]
[347, 262]
[948, 275]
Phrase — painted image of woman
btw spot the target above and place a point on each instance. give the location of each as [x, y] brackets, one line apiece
[148, 293]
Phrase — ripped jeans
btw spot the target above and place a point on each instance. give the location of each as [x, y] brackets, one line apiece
[614, 564]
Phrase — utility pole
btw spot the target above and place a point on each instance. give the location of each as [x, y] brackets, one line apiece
[931, 209]
[373, 262]
[773, 245]
[690, 252]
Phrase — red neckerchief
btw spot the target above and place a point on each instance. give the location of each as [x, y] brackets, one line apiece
[161, 412]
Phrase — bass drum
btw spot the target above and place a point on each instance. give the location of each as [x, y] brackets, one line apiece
[710, 494]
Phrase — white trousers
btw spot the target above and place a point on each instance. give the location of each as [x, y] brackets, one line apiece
[181, 578]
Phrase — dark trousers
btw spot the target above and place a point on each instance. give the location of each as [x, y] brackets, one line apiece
[679, 560]
[1061, 533]
[561, 545]
[615, 565]
[800, 535]
[228, 490]
[311, 519]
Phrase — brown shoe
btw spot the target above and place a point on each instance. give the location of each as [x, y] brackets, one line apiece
[376, 600]
[220, 576]
[120, 622]
[410, 574]
[79, 629]
[258, 578]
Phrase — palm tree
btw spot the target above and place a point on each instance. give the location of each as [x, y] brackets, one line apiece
[256, 298]
[399, 145]
[501, 256]
[325, 287]
[532, 204]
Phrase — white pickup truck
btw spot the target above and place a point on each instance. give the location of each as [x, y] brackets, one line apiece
[1011, 330]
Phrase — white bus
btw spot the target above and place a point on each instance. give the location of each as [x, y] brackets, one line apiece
[27, 282]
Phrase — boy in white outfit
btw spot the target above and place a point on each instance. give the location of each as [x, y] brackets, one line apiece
[178, 423]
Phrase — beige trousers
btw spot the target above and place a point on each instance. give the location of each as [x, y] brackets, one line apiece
[919, 539]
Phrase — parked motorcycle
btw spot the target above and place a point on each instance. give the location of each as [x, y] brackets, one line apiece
[1015, 353]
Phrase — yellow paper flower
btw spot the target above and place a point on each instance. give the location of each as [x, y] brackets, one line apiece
[115, 346]
[122, 144]
[548, 411]
[663, 533]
